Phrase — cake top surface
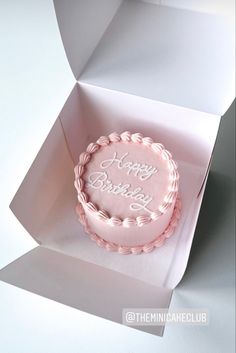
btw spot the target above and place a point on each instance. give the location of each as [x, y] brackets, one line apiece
[127, 176]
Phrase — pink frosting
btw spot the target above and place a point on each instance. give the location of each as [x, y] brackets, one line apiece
[130, 181]
[125, 250]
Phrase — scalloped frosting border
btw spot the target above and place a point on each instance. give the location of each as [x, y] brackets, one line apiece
[126, 136]
[125, 250]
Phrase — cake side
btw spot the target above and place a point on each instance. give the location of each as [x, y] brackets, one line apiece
[158, 241]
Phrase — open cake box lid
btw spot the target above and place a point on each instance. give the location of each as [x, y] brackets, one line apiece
[184, 58]
[179, 52]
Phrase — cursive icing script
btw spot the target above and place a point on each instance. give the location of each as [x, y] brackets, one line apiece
[141, 171]
[100, 181]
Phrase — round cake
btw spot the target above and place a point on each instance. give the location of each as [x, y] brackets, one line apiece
[127, 192]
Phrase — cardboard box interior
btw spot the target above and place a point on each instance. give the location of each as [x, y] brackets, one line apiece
[45, 202]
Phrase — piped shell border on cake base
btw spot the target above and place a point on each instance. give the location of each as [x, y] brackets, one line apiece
[127, 137]
[125, 250]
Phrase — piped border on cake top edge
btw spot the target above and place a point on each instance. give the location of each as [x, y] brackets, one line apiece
[103, 215]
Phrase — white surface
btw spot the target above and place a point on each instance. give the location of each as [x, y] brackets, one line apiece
[28, 322]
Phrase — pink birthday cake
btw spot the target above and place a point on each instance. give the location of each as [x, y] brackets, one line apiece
[127, 193]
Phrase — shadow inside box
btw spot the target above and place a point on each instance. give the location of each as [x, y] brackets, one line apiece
[102, 118]
[210, 257]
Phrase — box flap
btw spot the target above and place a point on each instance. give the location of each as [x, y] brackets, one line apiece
[31, 206]
[82, 24]
[177, 56]
[84, 286]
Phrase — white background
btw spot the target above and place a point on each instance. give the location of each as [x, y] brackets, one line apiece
[35, 80]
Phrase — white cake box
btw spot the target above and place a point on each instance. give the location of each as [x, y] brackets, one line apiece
[164, 71]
